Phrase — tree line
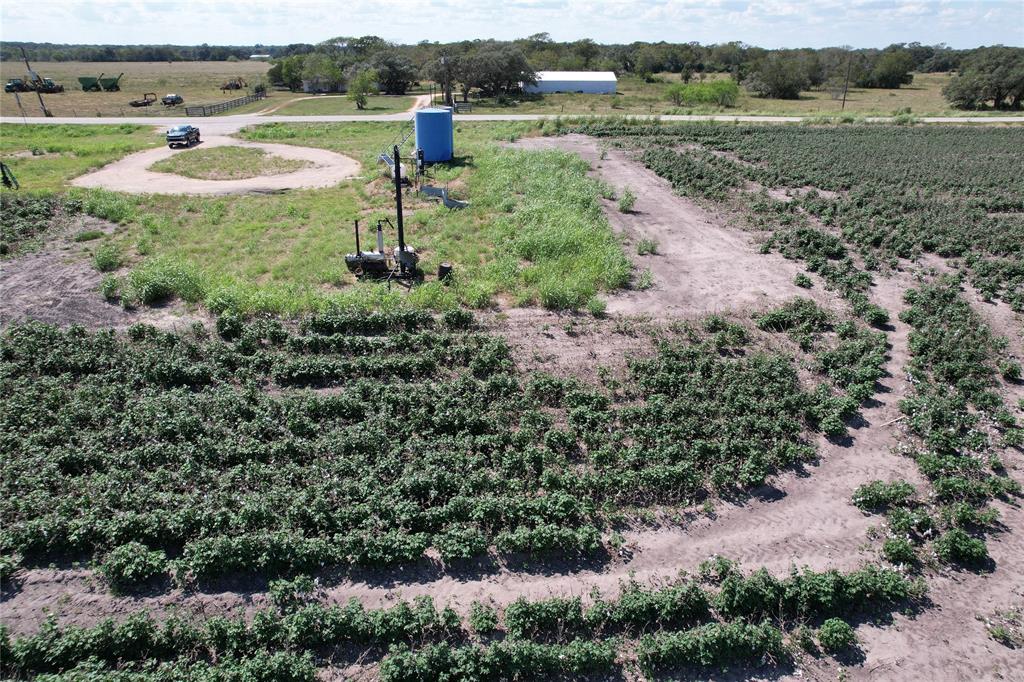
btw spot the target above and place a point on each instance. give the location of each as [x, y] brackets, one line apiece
[53, 52]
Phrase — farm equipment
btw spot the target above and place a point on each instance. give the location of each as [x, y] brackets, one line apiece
[90, 83]
[233, 84]
[147, 99]
[32, 81]
[379, 264]
[40, 85]
[16, 85]
[111, 84]
[48, 86]
[9, 181]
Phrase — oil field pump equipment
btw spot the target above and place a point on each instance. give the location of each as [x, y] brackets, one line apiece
[398, 265]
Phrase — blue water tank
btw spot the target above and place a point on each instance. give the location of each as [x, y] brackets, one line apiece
[435, 134]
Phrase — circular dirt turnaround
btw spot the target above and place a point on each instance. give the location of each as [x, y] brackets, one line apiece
[131, 174]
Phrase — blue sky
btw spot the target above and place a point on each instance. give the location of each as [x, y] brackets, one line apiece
[768, 23]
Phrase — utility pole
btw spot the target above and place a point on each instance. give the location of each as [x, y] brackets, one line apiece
[846, 85]
[446, 83]
[36, 82]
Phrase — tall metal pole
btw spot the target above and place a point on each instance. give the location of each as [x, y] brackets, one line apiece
[846, 86]
[398, 209]
[36, 83]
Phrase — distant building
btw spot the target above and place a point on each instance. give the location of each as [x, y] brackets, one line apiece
[259, 57]
[319, 86]
[590, 82]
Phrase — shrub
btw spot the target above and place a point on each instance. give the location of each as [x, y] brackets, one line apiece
[956, 546]
[803, 281]
[836, 636]
[132, 565]
[483, 618]
[880, 495]
[107, 257]
[627, 201]
[290, 595]
[1010, 370]
[899, 551]
[645, 280]
[110, 287]
[723, 93]
[8, 567]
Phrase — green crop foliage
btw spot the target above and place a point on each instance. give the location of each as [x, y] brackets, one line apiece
[665, 627]
[954, 191]
[836, 636]
[229, 478]
[27, 216]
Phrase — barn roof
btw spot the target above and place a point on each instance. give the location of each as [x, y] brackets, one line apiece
[575, 76]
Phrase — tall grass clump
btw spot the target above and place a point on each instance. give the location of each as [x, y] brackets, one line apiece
[161, 278]
[554, 244]
[113, 206]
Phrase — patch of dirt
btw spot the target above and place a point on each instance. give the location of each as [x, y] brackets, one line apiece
[131, 174]
[29, 154]
[59, 284]
[702, 266]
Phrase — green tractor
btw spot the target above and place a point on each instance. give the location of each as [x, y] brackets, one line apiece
[16, 85]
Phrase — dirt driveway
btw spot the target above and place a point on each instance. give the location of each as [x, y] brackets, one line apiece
[701, 265]
[131, 174]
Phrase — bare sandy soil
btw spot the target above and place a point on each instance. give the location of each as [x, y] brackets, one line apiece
[132, 174]
[803, 518]
[59, 284]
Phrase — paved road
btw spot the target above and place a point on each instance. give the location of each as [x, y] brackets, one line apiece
[224, 125]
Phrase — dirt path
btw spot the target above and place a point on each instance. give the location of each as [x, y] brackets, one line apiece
[132, 174]
[421, 102]
[701, 265]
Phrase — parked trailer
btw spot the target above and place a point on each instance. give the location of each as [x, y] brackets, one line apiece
[90, 83]
[147, 99]
[111, 84]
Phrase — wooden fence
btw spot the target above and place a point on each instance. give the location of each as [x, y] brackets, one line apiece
[211, 109]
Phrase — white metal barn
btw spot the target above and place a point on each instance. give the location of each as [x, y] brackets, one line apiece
[591, 82]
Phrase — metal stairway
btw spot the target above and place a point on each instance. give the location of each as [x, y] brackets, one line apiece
[385, 155]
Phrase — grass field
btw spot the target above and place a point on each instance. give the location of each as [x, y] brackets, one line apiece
[227, 163]
[45, 158]
[197, 82]
[534, 231]
[339, 104]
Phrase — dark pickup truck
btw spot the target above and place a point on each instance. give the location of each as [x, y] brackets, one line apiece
[182, 134]
[172, 100]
